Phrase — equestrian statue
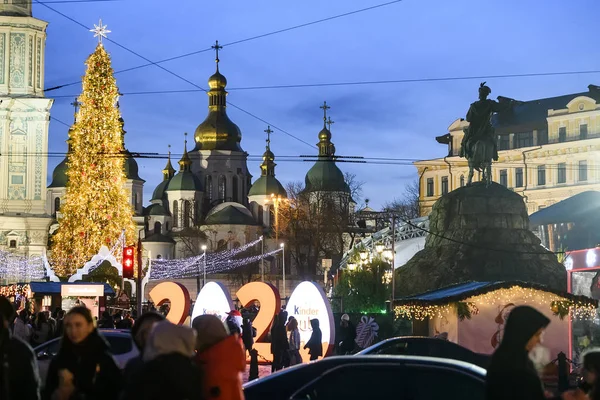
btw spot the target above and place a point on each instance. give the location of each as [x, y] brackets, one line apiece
[479, 143]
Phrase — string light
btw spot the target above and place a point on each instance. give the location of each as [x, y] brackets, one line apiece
[579, 309]
[14, 268]
[15, 290]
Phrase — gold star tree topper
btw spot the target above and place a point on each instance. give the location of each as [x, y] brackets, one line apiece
[100, 31]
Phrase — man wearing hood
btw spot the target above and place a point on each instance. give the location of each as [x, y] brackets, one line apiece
[169, 371]
[511, 374]
[314, 344]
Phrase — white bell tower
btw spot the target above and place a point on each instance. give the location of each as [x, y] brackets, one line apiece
[24, 121]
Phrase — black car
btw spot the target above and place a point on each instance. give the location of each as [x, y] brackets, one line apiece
[372, 377]
[427, 347]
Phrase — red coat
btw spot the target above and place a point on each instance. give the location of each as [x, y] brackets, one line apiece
[222, 366]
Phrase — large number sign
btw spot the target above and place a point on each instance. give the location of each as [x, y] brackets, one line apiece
[308, 301]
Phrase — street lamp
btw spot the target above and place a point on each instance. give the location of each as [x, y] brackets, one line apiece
[387, 254]
[204, 262]
[282, 245]
[363, 256]
[379, 248]
[351, 266]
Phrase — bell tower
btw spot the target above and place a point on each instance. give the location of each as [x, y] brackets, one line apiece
[24, 122]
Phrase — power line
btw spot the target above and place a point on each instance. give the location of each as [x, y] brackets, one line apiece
[75, 1]
[237, 41]
[180, 77]
[358, 83]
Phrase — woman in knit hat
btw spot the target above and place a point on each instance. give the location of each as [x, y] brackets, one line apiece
[220, 357]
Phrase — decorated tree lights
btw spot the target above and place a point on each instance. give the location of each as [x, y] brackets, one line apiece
[96, 208]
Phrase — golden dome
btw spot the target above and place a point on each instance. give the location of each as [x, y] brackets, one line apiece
[217, 81]
[324, 134]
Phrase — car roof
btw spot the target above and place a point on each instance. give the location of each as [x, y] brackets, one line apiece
[104, 332]
[332, 362]
[408, 339]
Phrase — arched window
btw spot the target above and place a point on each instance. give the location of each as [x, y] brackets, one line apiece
[175, 214]
[186, 214]
[235, 189]
[462, 181]
[157, 227]
[222, 188]
[56, 204]
[260, 215]
[208, 187]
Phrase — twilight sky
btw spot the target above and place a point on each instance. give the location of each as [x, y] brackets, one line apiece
[410, 39]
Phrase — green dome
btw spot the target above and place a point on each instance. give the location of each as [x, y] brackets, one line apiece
[230, 213]
[184, 180]
[325, 176]
[131, 168]
[59, 175]
[159, 192]
[155, 209]
[267, 185]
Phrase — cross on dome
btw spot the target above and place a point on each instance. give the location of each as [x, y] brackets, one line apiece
[100, 31]
[324, 107]
[216, 47]
[329, 122]
[268, 131]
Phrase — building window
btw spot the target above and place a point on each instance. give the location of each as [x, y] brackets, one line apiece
[222, 188]
[503, 177]
[429, 187]
[562, 134]
[57, 204]
[444, 185]
[583, 131]
[186, 213]
[175, 214]
[518, 177]
[209, 188]
[12, 244]
[503, 142]
[583, 171]
[462, 181]
[235, 189]
[542, 137]
[562, 173]
[135, 201]
[524, 139]
[157, 227]
[541, 175]
[260, 215]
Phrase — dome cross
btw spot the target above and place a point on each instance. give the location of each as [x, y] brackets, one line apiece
[329, 122]
[268, 131]
[216, 47]
[324, 107]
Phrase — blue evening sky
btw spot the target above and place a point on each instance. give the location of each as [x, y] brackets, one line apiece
[406, 40]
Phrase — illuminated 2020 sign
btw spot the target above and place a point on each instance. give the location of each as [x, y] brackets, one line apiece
[308, 301]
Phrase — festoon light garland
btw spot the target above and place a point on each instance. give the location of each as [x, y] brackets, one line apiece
[579, 309]
[15, 268]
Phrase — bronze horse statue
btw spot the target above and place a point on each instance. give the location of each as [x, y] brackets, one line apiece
[479, 143]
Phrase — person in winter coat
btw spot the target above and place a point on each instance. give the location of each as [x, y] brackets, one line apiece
[279, 342]
[234, 322]
[294, 339]
[140, 332]
[221, 358]
[347, 334]
[42, 331]
[169, 371]
[511, 374]
[106, 322]
[19, 376]
[248, 334]
[590, 388]
[21, 328]
[314, 344]
[84, 367]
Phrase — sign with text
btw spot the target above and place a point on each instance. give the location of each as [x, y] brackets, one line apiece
[82, 290]
[213, 299]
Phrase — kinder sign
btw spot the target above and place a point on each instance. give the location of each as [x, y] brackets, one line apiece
[308, 301]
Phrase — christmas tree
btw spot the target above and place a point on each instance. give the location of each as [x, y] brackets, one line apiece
[96, 208]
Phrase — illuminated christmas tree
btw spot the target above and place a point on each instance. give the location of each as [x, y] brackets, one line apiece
[96, 208]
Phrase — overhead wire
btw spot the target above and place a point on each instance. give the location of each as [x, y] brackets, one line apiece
[303, 25]
[180, 77]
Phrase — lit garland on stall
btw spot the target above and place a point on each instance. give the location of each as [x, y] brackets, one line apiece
[559, 305]
[15, 290]
[96, 208]
[14, 268]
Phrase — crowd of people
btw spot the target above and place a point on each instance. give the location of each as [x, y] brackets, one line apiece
[204, 361]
